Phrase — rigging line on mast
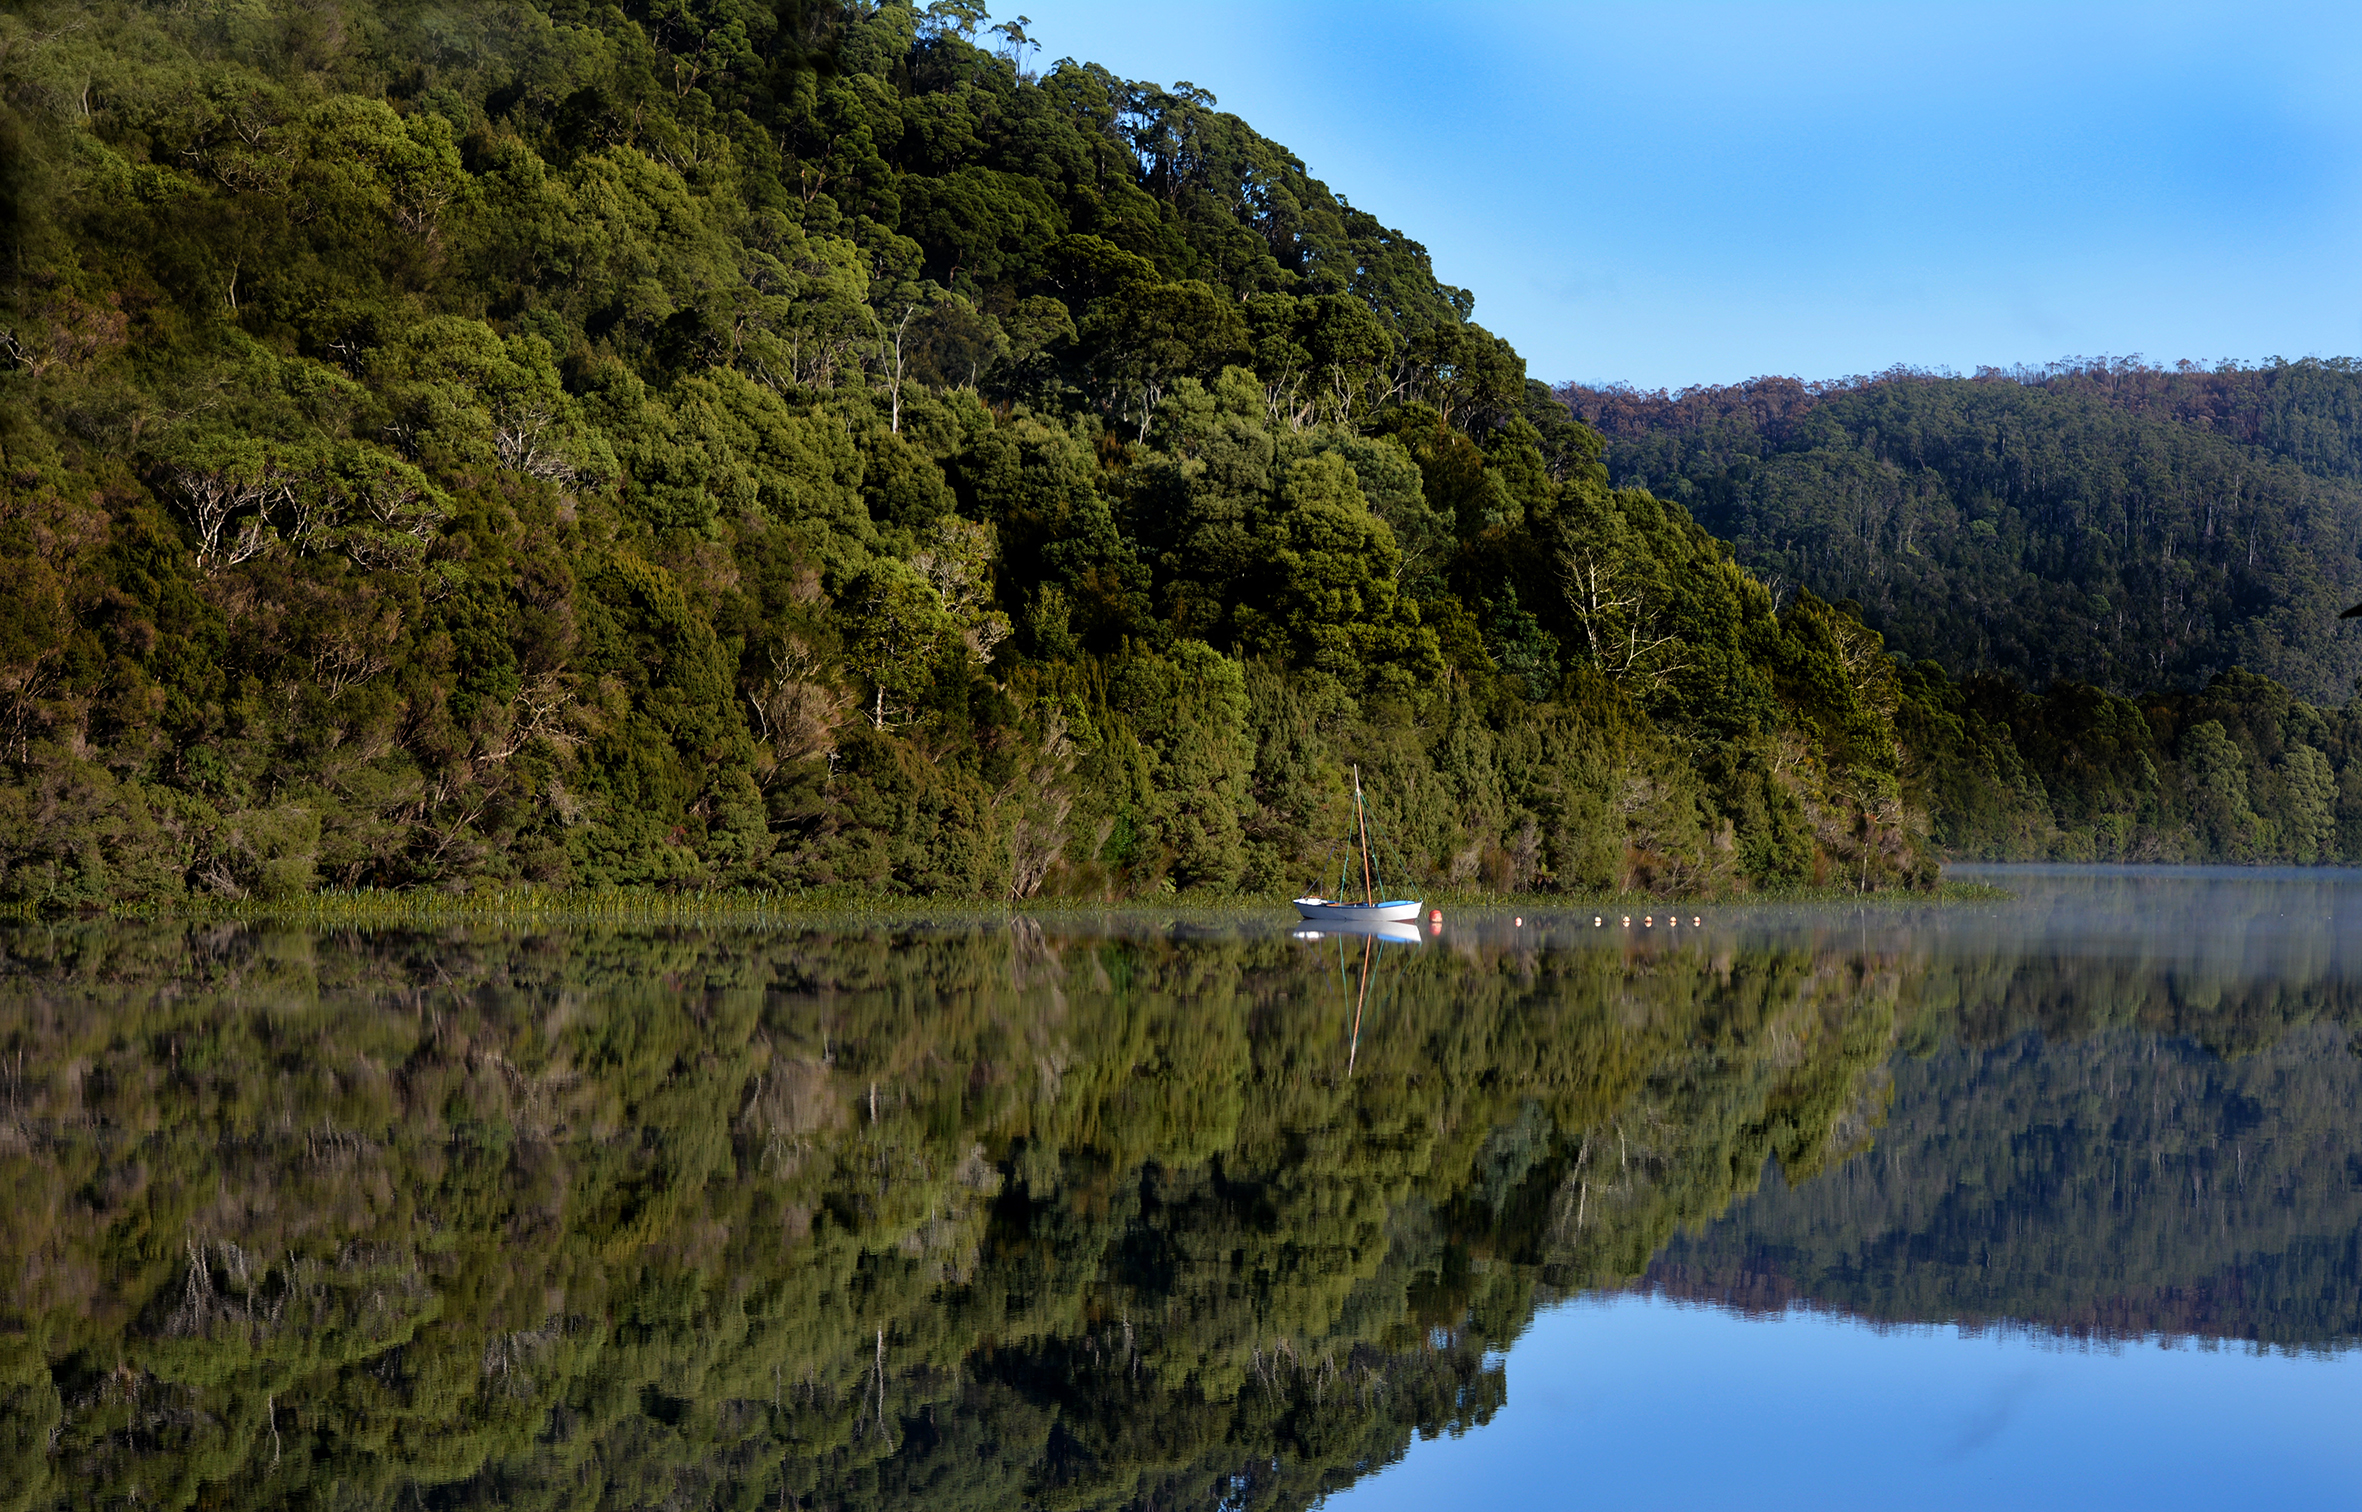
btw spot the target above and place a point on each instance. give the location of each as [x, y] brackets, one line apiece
[1361, 818]
[1378, 844]
[1379, 850]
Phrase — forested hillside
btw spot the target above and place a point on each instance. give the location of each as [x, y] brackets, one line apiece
[716, 443]
[816, 447]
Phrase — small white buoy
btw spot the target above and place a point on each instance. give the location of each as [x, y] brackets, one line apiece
[1694, 919]
[1520, 923]
[1649, 923]
[1596, 921]
[1627, 921]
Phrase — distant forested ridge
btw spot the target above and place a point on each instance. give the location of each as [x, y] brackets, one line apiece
[2116, 524]
[2124, 581]
[709, 443]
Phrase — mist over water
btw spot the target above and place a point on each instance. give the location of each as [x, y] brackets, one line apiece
[1116, 1210]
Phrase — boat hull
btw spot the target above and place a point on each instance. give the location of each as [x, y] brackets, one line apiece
[1394, 911]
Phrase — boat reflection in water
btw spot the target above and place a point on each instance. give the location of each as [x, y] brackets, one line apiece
[1372, 933]
[1362, 929]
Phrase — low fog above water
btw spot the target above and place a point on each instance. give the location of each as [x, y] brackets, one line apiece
[1142, 1210]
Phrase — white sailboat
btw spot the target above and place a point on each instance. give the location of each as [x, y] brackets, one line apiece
[1370, 911]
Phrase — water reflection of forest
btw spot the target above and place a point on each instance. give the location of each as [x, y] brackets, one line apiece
[1018, 1215]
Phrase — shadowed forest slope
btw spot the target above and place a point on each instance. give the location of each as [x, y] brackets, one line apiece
[2160, 555]
[2114, 524]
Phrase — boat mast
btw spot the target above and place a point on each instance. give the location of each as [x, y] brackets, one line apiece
[1362, 820]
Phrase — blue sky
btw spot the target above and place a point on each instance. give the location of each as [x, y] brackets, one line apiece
[1679, 193]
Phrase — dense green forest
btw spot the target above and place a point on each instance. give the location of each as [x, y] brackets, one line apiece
[814, 446]
[1032, 1214]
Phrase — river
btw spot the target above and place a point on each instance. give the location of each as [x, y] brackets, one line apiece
[2053, 1202]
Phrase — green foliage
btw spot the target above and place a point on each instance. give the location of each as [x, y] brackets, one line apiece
[719, 444]
[2092, 530]
[2238, 772]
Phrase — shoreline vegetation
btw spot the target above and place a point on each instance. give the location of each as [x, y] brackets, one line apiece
[649, 906]
[800, 450]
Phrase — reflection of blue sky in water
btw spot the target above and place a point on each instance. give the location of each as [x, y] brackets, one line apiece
[1638, 1403]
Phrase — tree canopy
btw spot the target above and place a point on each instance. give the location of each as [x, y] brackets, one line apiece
[792, 447]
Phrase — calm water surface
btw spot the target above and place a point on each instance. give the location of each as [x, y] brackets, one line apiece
[2054, 1202]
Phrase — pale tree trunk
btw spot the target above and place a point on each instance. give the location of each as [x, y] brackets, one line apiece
[895, 390]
